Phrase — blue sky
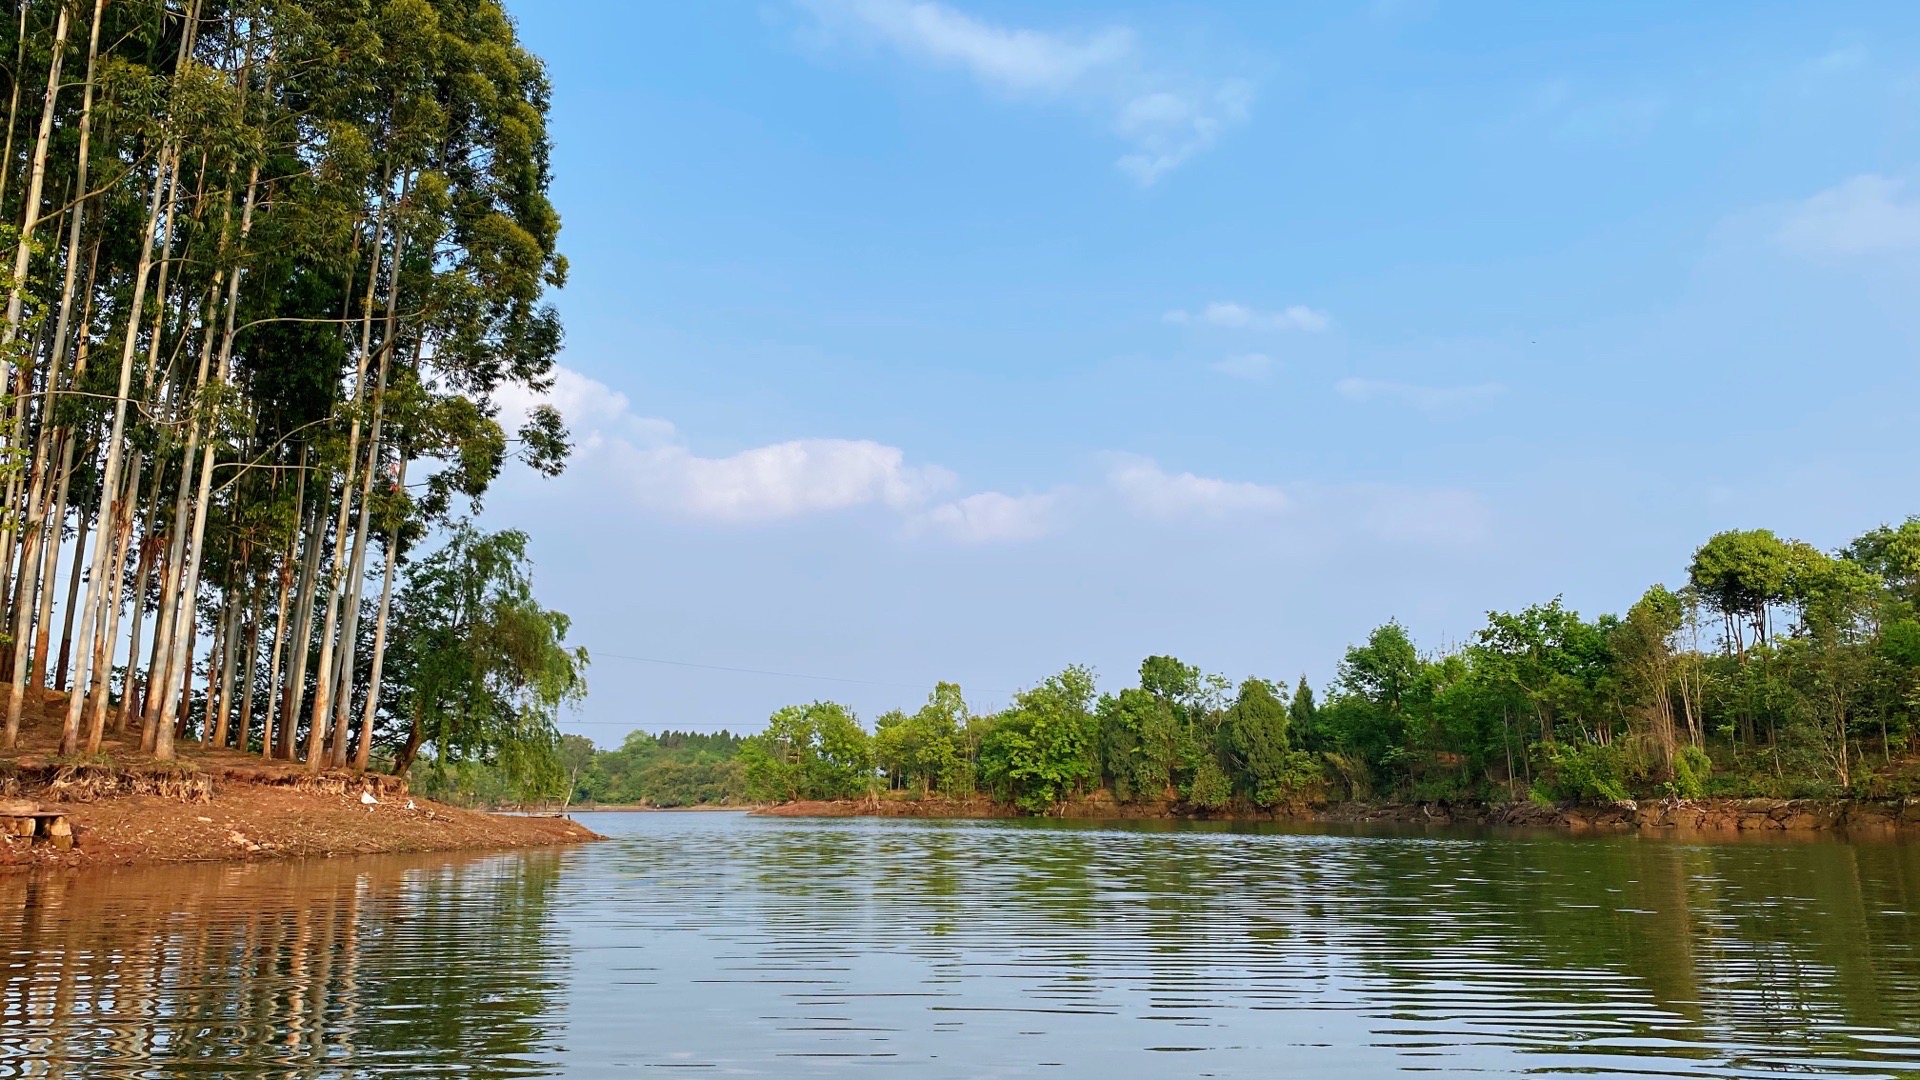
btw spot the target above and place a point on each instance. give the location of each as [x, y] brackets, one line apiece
[913, 341]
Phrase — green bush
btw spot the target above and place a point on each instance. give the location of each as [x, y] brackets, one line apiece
[1692, 768]
[1301, 779]
[1586, 772]
[1348, 773]
[1441, 788]
[1211, 789]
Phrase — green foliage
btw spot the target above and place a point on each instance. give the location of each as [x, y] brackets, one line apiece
[477, 668]
[816, 751]
[1813, 688]
[1303, 715]
[1043, 747]
[1584, 771]
[1254, 734]
[672, 768]
[1300, 779]
[1139, 743]
[929, 749]
[1211, 789]
[1692, 769]
[1740, 572]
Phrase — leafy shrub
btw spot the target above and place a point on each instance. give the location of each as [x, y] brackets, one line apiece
[1211, 789]
[1349, 773]
[1301, 779]
[1587, 772]
[1440, 788]
[1692, 768]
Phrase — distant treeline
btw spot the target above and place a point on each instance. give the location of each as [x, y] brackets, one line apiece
[673, 768]
[1778, 670]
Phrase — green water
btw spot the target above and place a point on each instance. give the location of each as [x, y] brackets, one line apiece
[727, 945]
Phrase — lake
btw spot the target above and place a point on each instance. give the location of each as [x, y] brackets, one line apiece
[718, 944]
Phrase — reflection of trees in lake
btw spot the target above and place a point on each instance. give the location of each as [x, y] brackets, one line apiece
[301, 965]
[1747, 940]
[1554, 940]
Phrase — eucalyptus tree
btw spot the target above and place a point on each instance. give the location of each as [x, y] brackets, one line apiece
[264, 256]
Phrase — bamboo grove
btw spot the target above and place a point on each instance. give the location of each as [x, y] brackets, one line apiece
[271, 262]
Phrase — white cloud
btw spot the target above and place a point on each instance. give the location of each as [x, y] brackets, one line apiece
[1232, 316]
[649, 460]
[1166, 127]
[783, 480]
[1252, 366]
[1147, 489]
[991, 517]
[1438, 401]
[788, 479]
[1165, 117]
[1013, 61]
[593, 410]
[1864, 215]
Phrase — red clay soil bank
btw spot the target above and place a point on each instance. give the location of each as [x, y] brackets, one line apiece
[250, 821]
[223, 805]
[1709, 815]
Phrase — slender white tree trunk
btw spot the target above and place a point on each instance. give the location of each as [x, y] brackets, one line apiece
[36, 182]
[97, 587]
[380, 635]
[323, 688]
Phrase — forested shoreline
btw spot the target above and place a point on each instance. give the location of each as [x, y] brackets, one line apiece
[272, 268]
[1777, 671]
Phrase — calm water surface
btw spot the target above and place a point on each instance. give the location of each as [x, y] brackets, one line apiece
[726, 945]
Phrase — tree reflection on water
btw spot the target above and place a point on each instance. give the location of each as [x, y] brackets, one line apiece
[437, 963]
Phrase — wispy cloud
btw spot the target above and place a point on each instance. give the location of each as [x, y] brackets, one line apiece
[991, 517]
[648, 460]
[1147, 489]
[783, 480]
[1232, 316]
[1865, 215]
[1165, 116]
[1252, 366]
[1436, 401]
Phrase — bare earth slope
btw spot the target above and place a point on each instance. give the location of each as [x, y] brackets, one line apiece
[221, 804]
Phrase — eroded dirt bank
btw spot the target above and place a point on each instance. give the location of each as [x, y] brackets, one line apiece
[126, 808]
[1705, 815]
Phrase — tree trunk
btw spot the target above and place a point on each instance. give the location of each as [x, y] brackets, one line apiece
[62, 330]
[302, 642]
[403, 760]
[323, 687]
[380, 633]
[220, 690]
[131, 689]
[274, 694]
[249, 669]
[156, 227]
